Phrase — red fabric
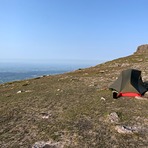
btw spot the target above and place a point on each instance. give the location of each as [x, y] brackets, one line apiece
[129, 94]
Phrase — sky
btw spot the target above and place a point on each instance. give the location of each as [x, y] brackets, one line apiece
[71, 30]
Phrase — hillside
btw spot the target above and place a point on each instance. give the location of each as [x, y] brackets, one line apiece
[75, 110]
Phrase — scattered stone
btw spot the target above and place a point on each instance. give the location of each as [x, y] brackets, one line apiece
[102, 71]
[59, 90]
[39, 144]
[49, 144]
[128, 129]
[45, 115]
[102, 98]
[125, 64]
[28, 91]
[114, 118]
[124, 129]
[20, 91]
[115, 65]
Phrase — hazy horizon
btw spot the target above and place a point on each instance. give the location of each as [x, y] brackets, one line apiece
[73, 61]
[45, 65]
[14, 71]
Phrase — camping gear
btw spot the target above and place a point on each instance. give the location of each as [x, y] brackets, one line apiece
[128, 84]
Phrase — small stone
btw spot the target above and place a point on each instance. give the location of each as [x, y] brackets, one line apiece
[45, 115]
[19, 92]
[114, 118]
[102, 71]
[124, 129]
[102, 98]
[28, 91]
[39, 144]
[49, 144]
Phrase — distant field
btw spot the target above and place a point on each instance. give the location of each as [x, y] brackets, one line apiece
[14, 72]
[15, 76]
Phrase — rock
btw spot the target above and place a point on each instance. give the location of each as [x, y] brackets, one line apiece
[39, 144]
[45, 115]
[125, 65]
[142, 49]
[19, 92]
[114, 118]
[102, 98]
[49, 144]
[124, 129]
[28, 91]
[102, 71]
[59, 90]
[129, 129]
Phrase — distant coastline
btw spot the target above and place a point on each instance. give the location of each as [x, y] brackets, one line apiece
[17, 76]
[18, 71]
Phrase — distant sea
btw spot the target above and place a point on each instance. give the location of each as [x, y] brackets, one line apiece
[18, 71]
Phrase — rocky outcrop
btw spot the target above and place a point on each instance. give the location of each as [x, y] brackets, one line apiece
[142, 49]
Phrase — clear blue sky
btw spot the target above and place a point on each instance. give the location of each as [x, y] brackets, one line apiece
[71, 29]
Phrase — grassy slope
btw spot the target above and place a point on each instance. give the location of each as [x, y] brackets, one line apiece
[77, 117]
